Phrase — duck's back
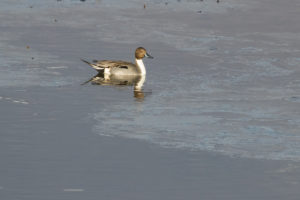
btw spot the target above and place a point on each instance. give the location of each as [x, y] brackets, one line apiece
[118, 67]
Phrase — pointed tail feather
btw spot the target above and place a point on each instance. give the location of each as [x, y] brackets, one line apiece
[96, 67]
[87, 62]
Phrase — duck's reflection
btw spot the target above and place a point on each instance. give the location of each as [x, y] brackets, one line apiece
[137, 81]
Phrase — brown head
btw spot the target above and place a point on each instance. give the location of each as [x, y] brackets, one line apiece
[141, 53]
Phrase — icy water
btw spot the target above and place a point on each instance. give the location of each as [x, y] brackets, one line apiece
[221, 80]
[217, 117]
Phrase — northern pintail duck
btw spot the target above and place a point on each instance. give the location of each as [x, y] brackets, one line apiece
[119, 67]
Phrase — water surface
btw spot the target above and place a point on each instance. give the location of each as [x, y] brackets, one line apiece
[217, 118]
[230, 89]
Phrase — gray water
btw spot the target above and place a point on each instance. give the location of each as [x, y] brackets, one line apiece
[230, 88]
[220, 103]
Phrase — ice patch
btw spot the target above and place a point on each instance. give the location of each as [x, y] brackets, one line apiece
[236, 122]
[12, 100]
[73, 190]
[19, 69]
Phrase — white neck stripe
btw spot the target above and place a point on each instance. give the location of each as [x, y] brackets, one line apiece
[141, 66]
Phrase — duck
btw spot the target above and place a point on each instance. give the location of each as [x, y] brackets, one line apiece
[119, 67]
